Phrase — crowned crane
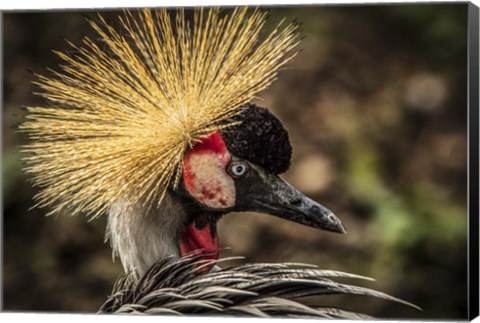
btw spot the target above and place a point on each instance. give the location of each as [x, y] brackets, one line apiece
[152, 126]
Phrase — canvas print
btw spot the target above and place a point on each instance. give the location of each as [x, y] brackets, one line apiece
[300, 161]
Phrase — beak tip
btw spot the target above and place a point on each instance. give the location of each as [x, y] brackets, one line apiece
[335, 224]
[339, 228]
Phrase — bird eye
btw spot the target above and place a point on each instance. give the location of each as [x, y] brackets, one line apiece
[238, 169]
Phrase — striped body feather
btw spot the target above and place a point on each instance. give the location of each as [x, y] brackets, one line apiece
[175, 287]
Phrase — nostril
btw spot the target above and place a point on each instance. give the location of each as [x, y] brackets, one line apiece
[296, 202]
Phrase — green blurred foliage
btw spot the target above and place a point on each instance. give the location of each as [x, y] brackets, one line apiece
[376, 108]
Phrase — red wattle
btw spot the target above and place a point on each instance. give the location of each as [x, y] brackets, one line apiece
[204, 239]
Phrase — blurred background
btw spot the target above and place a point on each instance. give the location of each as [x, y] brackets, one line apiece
[376, 109]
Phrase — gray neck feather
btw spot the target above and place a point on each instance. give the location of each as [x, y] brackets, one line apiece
[140, 236]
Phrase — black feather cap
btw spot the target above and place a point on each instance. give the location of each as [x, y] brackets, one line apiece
[259, 138]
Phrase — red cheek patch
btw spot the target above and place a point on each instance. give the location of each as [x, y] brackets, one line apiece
[205, 175]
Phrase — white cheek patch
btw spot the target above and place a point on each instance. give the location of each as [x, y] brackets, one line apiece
[207, 180]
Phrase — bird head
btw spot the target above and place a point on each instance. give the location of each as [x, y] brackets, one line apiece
[238, 170]
[149, 122]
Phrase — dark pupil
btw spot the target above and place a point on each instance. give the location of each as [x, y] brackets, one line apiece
[239, 169]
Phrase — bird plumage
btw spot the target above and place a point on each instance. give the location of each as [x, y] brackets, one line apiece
[175, 287]
[140, 236]
[123, 111]
[260, 137]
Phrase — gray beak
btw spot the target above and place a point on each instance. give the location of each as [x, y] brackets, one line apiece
[267, 193]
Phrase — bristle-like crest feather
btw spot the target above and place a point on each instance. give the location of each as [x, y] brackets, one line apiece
[121, 112]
